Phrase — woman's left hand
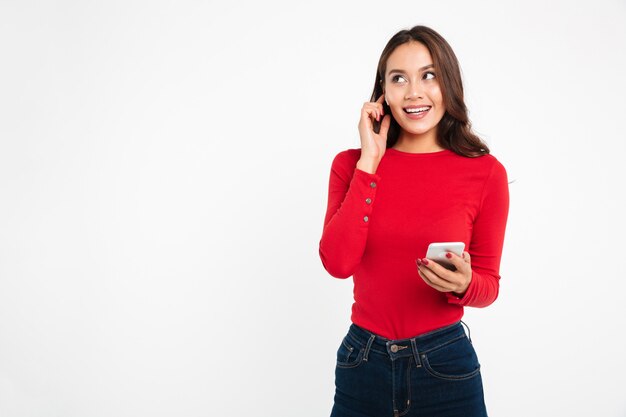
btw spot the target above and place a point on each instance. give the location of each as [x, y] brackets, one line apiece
[443, 279]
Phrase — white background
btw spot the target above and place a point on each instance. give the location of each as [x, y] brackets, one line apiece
[163, 182]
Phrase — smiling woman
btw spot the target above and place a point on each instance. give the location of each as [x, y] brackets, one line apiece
[419, 68]
[406, 352]
[413, 94]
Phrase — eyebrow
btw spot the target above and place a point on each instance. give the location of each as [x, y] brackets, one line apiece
[402, 72]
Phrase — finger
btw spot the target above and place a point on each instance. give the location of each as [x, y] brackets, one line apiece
[459, 263]
[370, 112]
[379, 104]
[375, 106]
[449, 279]
[438, 269]
[365, 121]
[467, 258]
[433, 281]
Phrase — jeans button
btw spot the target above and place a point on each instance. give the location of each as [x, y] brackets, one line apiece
[394, 348]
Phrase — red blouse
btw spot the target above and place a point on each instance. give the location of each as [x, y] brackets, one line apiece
[377, 225]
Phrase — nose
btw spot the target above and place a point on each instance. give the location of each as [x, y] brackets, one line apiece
[414, 91]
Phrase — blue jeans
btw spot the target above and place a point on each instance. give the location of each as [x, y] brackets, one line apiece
[434, 374]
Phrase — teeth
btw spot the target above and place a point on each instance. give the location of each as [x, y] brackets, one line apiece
[420, 109]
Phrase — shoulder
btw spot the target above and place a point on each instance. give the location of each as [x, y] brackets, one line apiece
[348, 156]
[495, 178]
[495, 167]
[488, 165]
[345, 162]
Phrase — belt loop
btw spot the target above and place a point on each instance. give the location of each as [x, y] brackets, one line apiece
[369, 345]
[416, 355]
[469, 335]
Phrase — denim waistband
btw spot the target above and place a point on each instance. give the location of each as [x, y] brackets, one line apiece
[415, 346]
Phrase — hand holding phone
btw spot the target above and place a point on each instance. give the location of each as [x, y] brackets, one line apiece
[458, 280]
[437, 252]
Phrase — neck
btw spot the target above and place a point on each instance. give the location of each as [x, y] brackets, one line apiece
[424, 143]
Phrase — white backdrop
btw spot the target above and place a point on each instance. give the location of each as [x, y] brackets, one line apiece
[163, 177]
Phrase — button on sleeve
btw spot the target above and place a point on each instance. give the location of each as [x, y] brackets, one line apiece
[366, 184]
[349, 215]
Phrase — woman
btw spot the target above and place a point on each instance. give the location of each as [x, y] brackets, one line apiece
[420, 176]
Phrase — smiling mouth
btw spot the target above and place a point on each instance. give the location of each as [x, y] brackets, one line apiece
[417, 110]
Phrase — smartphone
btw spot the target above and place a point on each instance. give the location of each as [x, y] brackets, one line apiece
[437, 252]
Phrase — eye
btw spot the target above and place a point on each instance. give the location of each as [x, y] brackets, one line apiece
[431, 73]
[395, 78]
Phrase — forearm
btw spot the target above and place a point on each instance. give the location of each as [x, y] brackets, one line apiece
[345, 233]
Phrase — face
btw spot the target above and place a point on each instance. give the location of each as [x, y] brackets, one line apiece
[411, 83]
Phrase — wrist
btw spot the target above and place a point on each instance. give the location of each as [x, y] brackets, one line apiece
[367, 165]
[459, 294]
[462, 291]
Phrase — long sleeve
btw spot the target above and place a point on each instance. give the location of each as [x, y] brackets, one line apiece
[487, 241]
[377, 224]
[351, 198]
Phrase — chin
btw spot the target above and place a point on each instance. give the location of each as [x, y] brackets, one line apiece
[417, 131]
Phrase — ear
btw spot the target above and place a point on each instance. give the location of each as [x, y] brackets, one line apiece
[382, 85]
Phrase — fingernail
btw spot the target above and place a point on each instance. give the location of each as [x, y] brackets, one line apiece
[419, 261]
[425, 261]
[448, 255]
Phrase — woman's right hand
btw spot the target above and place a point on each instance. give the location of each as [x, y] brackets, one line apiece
[373, 145]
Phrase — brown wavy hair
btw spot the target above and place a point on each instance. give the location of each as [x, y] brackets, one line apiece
[454, 131]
